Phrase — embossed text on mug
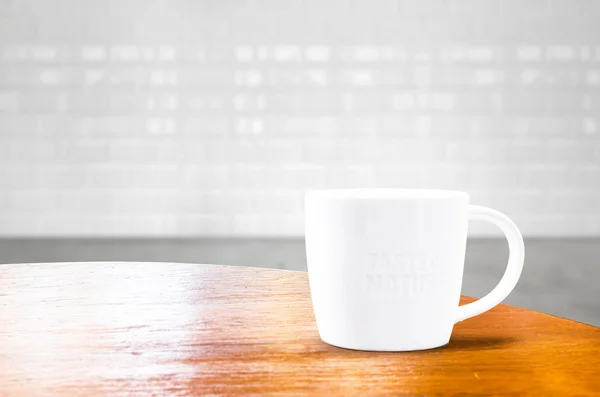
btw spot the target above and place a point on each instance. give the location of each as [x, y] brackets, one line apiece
[391, 274]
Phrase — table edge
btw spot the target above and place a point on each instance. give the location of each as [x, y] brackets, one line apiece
[266, 269]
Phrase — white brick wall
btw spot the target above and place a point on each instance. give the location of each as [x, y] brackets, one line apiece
[210, 118]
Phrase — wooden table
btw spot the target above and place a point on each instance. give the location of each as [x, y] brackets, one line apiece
[101, 329]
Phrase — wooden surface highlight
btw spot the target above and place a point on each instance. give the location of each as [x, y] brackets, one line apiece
[100, 329]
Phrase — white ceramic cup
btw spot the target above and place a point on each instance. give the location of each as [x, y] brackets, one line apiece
[385, 265]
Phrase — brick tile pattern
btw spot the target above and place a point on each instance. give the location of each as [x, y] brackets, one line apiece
[210, 118]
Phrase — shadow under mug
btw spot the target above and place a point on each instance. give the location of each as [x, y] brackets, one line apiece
[385, 266]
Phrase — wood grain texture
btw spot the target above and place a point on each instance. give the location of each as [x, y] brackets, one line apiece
[101, 329]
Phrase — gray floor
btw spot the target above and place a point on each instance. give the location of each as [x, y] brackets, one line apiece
[561, 276]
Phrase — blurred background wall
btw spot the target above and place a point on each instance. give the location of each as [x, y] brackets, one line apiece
[210, 118]
[201, 123]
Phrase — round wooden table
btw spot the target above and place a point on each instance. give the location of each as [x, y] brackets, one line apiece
[102, 329]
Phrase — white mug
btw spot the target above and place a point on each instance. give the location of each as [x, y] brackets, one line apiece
[385, 266]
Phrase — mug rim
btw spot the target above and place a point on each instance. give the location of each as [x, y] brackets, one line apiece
[386, 193]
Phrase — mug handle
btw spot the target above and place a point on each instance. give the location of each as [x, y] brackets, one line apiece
[516, 257]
